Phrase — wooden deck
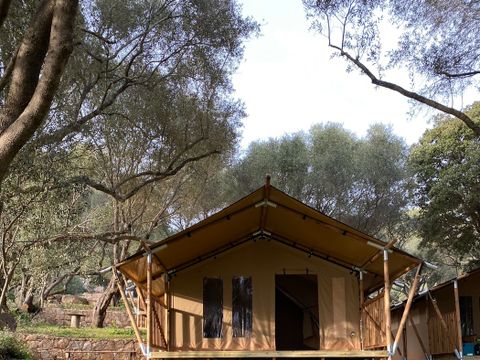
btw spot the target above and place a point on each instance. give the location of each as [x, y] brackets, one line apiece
[267, 354]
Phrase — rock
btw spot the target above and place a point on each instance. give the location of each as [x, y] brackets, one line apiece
[28, 308]
[92, 297]
[73, 299]
[54, 299]
[8, 322]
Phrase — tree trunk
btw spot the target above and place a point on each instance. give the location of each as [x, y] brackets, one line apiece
[28, 305]
[39, 65]
[100, 310]
[5, 286]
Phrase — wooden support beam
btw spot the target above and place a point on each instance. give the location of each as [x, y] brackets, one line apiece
[268, 354]
[168, 312]
[362, 301]
[417, 334]
[141, 302]
[129, 311]
[141, 298]
[386, 297]
[458, 319]
[408, 305]
[149, 304]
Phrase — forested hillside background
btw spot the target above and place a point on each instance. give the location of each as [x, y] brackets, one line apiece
[129, 132]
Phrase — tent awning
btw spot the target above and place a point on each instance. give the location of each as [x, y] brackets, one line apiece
[269, 213]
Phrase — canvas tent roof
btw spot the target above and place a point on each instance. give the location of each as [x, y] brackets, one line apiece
[461, 278]
[270, 214]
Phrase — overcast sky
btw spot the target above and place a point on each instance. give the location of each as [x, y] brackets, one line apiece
[289, 82]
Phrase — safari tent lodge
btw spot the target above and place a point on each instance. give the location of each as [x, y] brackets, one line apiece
[444, 322]
[267, 277]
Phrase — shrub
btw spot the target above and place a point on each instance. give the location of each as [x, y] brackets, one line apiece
[11, 348]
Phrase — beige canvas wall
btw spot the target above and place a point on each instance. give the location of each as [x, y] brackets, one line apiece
[337, 294]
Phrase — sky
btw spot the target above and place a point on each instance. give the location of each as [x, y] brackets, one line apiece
[288, 82]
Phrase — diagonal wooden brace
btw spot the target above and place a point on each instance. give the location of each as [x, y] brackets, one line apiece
[408, 305]
[129, 311]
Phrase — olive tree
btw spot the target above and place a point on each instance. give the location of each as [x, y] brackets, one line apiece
[438, 45]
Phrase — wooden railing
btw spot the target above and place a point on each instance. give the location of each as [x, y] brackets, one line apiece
[374, 323]
[158, 335]
[441, 341]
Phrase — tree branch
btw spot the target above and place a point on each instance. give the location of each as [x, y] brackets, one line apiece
[155, 176]
[410, 94]
[459, 75]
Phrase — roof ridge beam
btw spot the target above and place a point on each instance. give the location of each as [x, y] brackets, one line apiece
[266, 202]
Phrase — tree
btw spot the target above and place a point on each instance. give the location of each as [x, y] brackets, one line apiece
[361, 181]
[285, 159]
[446, 164]
[36, 208]
[119, 45]
[140, 153]
[438, 44]
[146, 95]
[32, 73]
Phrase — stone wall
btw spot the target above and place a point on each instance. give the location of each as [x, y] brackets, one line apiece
[46, 347]
[59, 316]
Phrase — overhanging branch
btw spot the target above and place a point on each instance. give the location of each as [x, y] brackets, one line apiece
[152, 177]
[410, 94]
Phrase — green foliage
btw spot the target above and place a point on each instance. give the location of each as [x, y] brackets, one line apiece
[75, 286]
[361, 181]
[285, 159]
[438, 41]
[446, 163]
[11, 348]
[109, 332]
[146, 95]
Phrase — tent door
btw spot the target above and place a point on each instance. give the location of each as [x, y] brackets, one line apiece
[296, 312]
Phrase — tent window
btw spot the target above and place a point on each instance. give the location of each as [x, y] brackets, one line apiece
[466, 315]
[242, 306]
[212, 307]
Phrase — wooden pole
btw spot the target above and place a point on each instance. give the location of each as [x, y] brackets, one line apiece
[138, 306]
[149, 303]
[403, 320]
[386, 297]
[458, 319]
[362, 302]
[169, 312]
[129, 311]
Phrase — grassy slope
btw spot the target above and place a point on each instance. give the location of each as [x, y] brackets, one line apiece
[83, 332]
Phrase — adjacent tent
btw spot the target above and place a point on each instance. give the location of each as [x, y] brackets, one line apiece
[437, 327]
